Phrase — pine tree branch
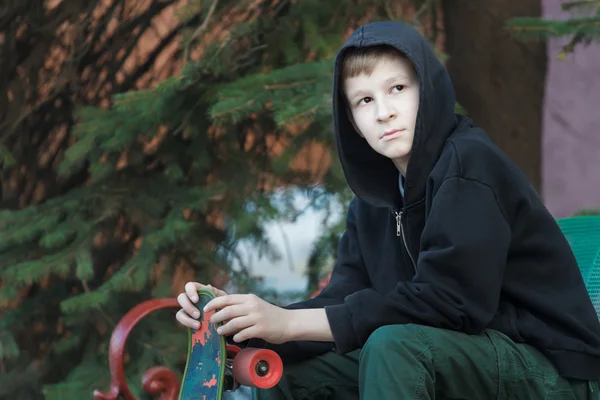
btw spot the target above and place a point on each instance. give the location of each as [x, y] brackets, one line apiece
[288, 248]
[280, 7]
[240, 107]
[187, 117]
[388, 10]
[554, 27]
[298, 116]
[180, 169]
[246, 59]
[586, 4]
[110, 321]
[279, 86]
[199, 31]
[426, 6]
[9, 128]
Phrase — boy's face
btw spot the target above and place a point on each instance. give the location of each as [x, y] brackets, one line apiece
[384, 108]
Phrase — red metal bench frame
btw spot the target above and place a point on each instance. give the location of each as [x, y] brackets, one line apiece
[157, 380]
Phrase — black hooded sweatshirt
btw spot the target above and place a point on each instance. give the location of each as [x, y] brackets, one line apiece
[471, 246]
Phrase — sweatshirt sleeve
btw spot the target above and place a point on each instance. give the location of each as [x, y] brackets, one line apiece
[347, 277]
[459, 271]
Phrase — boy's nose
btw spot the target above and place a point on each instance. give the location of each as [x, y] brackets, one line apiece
[385, 113]
[386, 116]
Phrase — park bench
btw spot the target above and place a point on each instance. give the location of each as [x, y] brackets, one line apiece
[582, 232]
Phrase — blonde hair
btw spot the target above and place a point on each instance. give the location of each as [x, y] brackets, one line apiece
[363, 60]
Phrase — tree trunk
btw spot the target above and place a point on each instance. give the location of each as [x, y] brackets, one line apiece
[499, 80]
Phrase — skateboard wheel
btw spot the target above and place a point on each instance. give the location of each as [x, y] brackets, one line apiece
[232, 351]
[260, 368]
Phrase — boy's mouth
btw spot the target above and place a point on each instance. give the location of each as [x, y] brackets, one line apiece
[391, 134]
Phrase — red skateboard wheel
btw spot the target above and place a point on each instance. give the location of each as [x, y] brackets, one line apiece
[232, 351]
[260, 368]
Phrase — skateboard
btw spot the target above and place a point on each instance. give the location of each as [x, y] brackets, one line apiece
[213, 366]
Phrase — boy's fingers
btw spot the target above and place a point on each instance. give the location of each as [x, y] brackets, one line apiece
[212, 289]
[224, 301]
[191, 288]
[217, 292]
[229, 313]
[245, 334]
[234, 326]
[185, 320]
[187, 306]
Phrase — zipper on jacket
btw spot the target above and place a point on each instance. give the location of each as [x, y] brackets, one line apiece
[400, 232]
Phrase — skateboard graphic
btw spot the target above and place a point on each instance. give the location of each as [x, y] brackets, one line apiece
[213, 366]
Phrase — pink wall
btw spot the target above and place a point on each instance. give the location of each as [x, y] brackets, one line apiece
[571, 126]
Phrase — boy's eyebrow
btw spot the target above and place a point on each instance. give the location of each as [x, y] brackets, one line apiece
[397, 78]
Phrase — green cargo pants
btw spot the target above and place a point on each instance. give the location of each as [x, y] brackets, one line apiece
[417, 362]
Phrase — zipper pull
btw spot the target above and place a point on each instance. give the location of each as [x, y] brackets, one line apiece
[398, 223]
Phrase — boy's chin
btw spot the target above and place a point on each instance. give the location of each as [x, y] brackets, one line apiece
[395, 155]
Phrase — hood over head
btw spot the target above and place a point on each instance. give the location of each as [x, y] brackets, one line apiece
[371, 176]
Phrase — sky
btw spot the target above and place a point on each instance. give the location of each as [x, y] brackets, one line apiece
[288, 272]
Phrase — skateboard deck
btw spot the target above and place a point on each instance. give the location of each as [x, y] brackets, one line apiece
[213, 366]
[204, 374]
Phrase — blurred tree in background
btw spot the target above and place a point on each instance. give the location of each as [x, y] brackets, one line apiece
[141, 141]
[499, 80]
[582, 27]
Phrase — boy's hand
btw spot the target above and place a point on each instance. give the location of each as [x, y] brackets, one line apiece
[189, 314]
[247, 316]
